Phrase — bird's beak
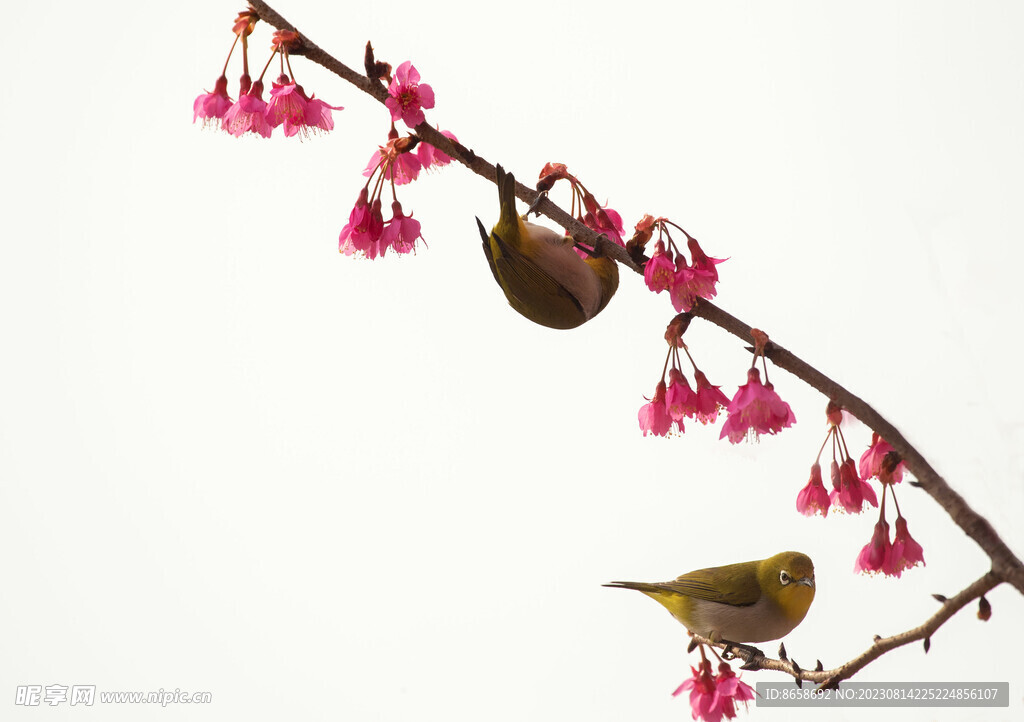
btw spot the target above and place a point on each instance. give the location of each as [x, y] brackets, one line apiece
[806, 581]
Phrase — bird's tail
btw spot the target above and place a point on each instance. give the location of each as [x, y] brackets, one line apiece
[507, 226]
[639, 586]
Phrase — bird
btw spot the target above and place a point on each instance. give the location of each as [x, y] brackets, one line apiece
[542, 276]
[748, 602]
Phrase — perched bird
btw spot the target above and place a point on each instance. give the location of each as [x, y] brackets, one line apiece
[747, 602]
[542, 276]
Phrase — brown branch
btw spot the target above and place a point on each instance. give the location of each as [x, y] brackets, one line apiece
[830, 678]
[1005, 564]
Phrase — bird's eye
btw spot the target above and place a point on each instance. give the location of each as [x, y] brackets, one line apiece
[784, 577]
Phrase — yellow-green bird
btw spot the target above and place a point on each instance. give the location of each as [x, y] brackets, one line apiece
[747, 602]
[542, 276]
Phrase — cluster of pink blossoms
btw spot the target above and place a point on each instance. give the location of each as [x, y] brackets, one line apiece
[713, 697]
[394, 164]
[891, 558]
[585, 207]
[399, 164]
[755, 409]
[300, 114]
[851, 492]
[678, 400]
[881, 462]
[668, 270]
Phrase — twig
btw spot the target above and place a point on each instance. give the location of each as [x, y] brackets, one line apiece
[832, 677]
[1006, 566]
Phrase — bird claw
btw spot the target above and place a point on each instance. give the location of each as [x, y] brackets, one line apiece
[752, 656]
[533, 206]
[753, 662]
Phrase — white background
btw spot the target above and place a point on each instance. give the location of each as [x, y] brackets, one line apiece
[318, 487]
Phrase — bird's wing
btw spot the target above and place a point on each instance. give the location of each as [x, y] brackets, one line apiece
[487, 250]
[707, 584]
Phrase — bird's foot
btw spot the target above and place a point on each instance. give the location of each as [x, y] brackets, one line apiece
[533, 206]
[752, 656]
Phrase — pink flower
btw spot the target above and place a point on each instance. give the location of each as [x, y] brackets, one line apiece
[248, 114]
[876, 554]
[318, 115]
[871, 461]
[299, 113]
[407, 96]
[849, 469]
[401, 232]
[702, 262]
[691, 283]
[851, 493]
[286, 106]
[212, 106]
[702, 282]
[756, 409]
[680, 399]
[660, 271]
[813, 499]
[364, 228]
[704, 703]
[430, 156]
[654, 416]
[606, 221]
[681, 291]
[602, 219]
[906, 553]
[709, 399]
[731, 689]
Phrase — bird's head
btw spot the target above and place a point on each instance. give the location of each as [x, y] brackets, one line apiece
[788, 579]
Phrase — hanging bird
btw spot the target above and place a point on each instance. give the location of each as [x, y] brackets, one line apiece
[747, 602]
[541, 274]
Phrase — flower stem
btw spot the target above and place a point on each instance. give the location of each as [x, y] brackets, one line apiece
[817, 460]
[233, 44]
[274, 52]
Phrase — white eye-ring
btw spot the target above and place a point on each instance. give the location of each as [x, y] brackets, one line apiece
[784, 577]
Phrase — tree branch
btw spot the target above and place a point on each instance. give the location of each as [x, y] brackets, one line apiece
[1006, 566]
[831, 678]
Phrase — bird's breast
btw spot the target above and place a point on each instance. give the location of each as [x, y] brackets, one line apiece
[559, 260]
[761, 621]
